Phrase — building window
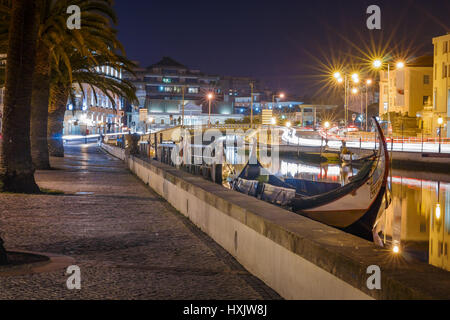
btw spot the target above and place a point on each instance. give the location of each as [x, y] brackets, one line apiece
[192, 90]
[167, 80]
[445, 47]
[444, 71]
[435, 71]
[426, 79]
[426, 100]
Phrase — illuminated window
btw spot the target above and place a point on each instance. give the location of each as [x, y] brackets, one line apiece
[192, 90]
[426, 100]
[167, 80]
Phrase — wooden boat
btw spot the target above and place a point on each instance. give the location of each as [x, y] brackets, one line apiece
[352, 207]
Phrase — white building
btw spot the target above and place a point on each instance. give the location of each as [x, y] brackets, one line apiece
[94, 113]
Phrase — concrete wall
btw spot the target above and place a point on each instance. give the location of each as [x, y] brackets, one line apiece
[297, 257]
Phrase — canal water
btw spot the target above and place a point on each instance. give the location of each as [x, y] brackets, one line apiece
[417, 222]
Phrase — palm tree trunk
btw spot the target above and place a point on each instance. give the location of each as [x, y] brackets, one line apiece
[16, 170]
[59, 94]
[39, 108]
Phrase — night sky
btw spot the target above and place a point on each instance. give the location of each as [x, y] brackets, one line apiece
[284, 43]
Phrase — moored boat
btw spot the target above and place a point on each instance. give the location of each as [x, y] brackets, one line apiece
[352, 207]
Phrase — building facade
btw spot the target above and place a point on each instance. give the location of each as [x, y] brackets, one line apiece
[441, 83]
[93, 112]
[410, 91]
[168, 89]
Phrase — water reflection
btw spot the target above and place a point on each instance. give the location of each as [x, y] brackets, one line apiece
[418, 220]
[416, 224]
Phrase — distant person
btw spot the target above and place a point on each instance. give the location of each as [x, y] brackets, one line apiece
[344, 149]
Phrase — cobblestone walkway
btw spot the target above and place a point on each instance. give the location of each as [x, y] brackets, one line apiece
[128, 242]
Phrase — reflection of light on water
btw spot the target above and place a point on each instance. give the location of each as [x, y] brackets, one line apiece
[418, 220]
[409, 182]
[294, 169]
[438, 211]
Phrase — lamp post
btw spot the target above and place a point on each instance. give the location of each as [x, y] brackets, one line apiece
[281, 96]
[251, 104]
[366, 117]
[440, 122]
[345, 80]
[183, 88]
[378, 64]
[210, 97]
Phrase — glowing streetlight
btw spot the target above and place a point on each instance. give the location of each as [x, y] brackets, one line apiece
[273, 121]
[326, 124]
[400, 65]
[280, 96]
[337, 75]
[210, 96]
[355, 90]
[377, 64]
[340, 80]
[368, 82]
[396, 249]
[288, 124]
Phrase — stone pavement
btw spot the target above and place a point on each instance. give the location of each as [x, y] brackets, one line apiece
[128, 242]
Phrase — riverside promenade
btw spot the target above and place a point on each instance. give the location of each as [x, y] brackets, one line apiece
[128, 242]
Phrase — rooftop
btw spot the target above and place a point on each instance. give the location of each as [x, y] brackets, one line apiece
[168, 62]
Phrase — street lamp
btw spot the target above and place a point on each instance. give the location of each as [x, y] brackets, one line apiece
[342, 77]
[288, 124]
[274, 121]
[366, 118]
[440, 122]
[281, 96]
[378, 64]
[210, 97]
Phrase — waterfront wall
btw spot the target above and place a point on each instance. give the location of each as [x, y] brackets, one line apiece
[297, 257]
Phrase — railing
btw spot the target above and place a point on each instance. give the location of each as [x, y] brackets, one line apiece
[425, 145]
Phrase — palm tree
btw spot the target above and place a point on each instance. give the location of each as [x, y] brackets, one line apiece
[55, 39]
[83, 73]
[16, 172]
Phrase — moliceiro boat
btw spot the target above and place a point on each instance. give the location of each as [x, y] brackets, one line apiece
[352, 207]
